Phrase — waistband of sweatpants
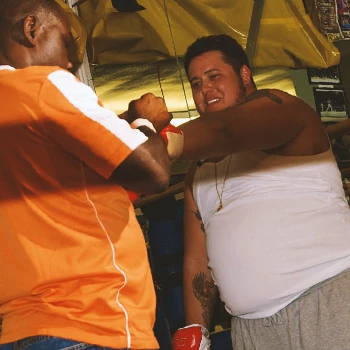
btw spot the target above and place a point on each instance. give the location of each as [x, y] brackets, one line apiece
[325, 282]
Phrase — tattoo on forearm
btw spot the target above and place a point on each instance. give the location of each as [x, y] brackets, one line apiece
[199, 218]
[202, 290]
[260, 94]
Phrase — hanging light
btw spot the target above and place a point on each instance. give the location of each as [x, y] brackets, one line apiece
[127, 5]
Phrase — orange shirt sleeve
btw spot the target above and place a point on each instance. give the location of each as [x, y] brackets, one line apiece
[71, 114]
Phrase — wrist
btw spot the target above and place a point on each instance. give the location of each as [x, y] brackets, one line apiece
[203, 329]
[174, 140]
[194, 337]
[142, 122]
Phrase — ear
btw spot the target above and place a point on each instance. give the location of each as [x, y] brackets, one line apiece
[31, 28]
[246, 75]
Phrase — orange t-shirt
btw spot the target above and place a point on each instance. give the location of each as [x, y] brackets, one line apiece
[73, 261]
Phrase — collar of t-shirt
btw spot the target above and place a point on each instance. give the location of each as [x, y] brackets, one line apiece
[6, 68]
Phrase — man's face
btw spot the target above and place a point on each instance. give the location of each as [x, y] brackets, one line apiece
[55, 40]
[215, 85]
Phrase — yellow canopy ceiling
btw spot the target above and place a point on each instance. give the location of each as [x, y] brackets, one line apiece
[287, 36]
[79, 34]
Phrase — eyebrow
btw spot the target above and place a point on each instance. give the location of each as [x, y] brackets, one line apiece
[205, 73]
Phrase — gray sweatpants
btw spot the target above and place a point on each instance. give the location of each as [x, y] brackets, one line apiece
[318, 320]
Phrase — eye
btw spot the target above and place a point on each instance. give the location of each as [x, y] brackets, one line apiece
[195, 84]
[214, 76]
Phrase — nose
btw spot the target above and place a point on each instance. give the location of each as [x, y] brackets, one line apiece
[69, 65]
[206, 87]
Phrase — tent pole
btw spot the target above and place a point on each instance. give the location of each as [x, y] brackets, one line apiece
[83, 72]
[170, 191]
[253, 33]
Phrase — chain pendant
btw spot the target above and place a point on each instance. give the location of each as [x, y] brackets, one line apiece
[223, 185]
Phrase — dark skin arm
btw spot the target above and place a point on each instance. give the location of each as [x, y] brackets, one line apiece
[147, 169]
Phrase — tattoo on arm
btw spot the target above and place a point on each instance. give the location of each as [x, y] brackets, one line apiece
[260, 94]
[199, 218]
[202, 290]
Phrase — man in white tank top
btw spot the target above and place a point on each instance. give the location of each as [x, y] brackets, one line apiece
[267, 223]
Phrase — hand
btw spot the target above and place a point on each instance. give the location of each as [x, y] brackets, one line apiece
[193, 337]
[149, 107]
[174, 140]
[123, 115]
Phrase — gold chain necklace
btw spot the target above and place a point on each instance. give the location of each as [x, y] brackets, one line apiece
[223, 184]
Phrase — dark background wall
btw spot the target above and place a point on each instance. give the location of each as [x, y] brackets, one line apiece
[305, 90]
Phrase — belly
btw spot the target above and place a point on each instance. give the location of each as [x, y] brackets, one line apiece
[262, 258]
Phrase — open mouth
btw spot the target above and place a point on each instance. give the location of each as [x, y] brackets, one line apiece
[214, 100]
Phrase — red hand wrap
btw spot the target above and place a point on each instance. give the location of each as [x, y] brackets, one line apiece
[169, 128]
[174, 140]
[133, 196]
[172, 137]
[187, 338]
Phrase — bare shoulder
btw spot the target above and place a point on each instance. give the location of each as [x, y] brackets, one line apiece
[282, 103]
[287, 98]
[273, 95]
[311, 138]
[286, 105]
[295, 104]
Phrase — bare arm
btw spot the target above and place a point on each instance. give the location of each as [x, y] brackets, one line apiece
[266, 120]
[199, 289]
[147, 169]
[338, 129]
[345, 172]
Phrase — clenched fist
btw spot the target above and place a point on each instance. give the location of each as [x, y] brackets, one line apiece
[149, 107]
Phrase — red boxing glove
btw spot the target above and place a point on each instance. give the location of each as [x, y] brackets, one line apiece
[193, 337]
[173, 139]
[133, 196]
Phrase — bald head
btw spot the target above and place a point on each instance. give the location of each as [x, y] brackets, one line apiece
[14, 11]
[32, 32]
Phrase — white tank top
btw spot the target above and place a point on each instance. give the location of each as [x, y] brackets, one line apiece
[284, 227]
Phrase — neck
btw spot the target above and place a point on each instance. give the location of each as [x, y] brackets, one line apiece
[15, 57]
[4, 61]
[250, 89]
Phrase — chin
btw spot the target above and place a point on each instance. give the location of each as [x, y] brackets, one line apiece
[215, 107]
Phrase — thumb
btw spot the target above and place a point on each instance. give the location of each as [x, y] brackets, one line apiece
[123, 115]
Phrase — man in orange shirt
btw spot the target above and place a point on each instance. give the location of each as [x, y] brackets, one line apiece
[73, 263]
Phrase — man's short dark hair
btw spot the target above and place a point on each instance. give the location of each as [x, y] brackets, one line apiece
[13, 11]
[232, 52]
